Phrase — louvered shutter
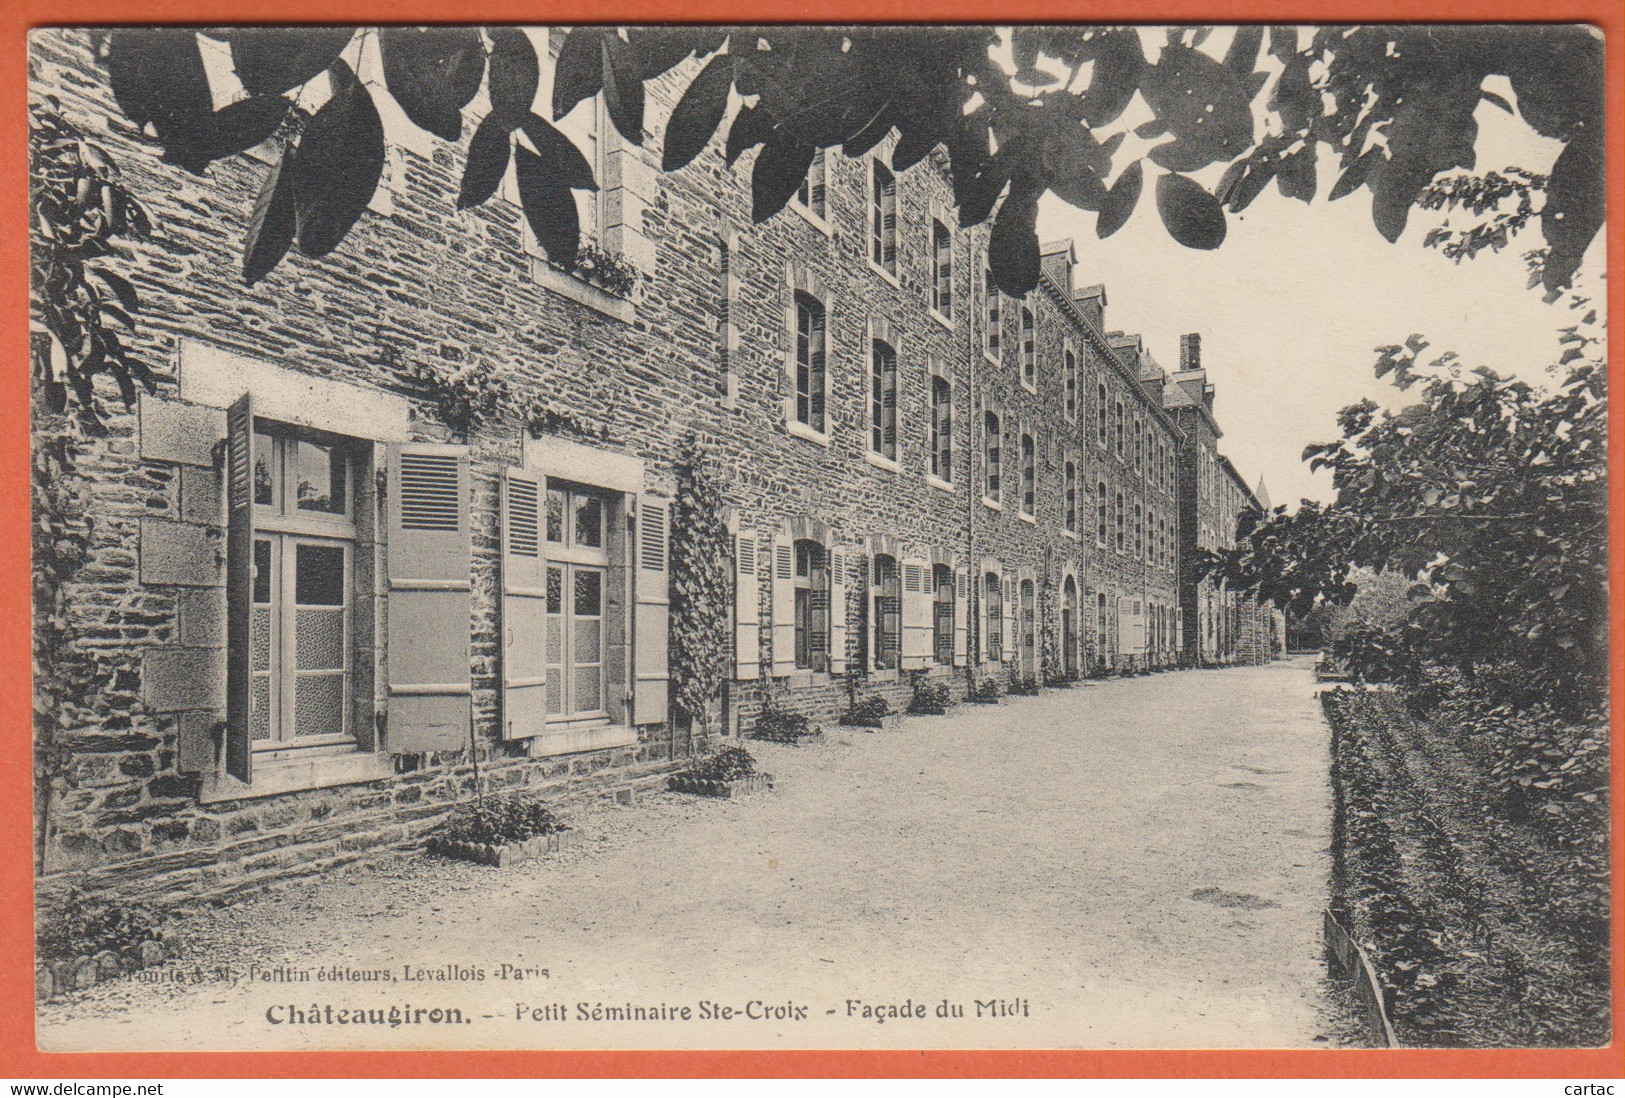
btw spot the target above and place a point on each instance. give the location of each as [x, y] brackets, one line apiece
[837, 611]
[916, 614]
[524, 608]
[818, 375]
[651, 623]
[428, 636]
[961, 633]
[983, 619]
[888, 226]
[888, 397]
[747, 609]
[239, 746]
[784, 606]
[818, 615]
[1125, 639]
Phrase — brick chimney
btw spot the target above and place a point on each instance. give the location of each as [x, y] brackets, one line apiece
[1190, 351]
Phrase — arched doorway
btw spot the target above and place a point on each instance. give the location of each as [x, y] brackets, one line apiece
[1069, 628]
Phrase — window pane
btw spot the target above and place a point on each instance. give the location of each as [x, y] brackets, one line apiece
[259, 638]
[589, 521]
[555, 590]
[259, 716]
[319, 473]
[319, 705]
[319, 579]
[555, 515]
[321, 640]
[589, 593]
[262, 571]
[264, 469]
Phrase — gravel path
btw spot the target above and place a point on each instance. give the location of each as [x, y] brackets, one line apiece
[1134, 863]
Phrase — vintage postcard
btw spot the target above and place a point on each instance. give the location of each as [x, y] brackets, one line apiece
[820, 537]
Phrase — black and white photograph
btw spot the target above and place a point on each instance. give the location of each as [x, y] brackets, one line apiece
[819, 537]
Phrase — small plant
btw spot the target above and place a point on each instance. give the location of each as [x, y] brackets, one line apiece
[1022, 684]
[929, 697]
[986, 692]
[498, 821]
[604, 269]
[727, 765]
[870, 710]
[780, 725]
[86, 924]
[472, 394]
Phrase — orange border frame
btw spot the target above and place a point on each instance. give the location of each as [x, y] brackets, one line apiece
[18, 1057]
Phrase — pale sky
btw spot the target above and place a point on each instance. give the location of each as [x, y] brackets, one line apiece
[1294, 301]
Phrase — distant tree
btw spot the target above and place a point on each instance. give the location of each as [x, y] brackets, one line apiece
[1490, 494]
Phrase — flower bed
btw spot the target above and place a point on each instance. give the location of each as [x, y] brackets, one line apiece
[986, 692]
[89, 940]
[500, 831]
[782, 726]
[930, 699]
[728, 773]
[871, 712]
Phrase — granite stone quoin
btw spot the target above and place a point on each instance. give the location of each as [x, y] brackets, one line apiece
[318, 616]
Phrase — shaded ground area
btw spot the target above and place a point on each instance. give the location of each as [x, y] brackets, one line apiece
[1134, 863]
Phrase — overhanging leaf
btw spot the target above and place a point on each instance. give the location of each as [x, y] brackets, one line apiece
[1192, 216]
[1012, 247]
[513, 75]
[549, 207]
[1119, 201]
[272, 224]
[750, 128]
[578, 72]
[1576, 204]
[433, 73]
[623, 88]
[226, 132]
[488, 153]
[779, 169]
[559, 155]
[338, 163]
[157, 76]
[273, 60]
[698, 113]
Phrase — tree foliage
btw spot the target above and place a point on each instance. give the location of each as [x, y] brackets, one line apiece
[1490, 494]
[79, 214]
[701, 586]
[1020, 112]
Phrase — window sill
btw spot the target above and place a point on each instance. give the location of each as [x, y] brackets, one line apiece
[881, 461]
[946, 321]
[568, 740]
[801, 430]
[1030, 386]
[803, 678]
[884, 273]
[992, 504]
[820, 223]
[294, 773]
[1029, 519]
[545, 275]
[884, 674]
[937, 482]
[1070, 534]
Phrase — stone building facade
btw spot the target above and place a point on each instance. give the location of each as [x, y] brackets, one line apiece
[324, 601]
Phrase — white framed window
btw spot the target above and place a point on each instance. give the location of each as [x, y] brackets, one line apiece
[942, 269]
[810, 365]
[588, 128]
[1101, 413]
[1070, 370]
[992, 320]
[991, 455]
[942, 615]
[993, 598]
[887, 607]
[1070, 501]
[302, 597]
[883, 399]
[1029, 350]
[1029, 475]
[812, 605]
[942, 430]
[882, 217]
[576, 525]
[812, 197]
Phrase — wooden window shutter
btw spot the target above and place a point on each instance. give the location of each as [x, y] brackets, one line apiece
[239, 747]
[524, 608]
[961, 632]
[917, 609]
[837, 611]
[428, 637]
[784, 606]
[651, 622]
[982, 618]
[747, 609]
[818, 605]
